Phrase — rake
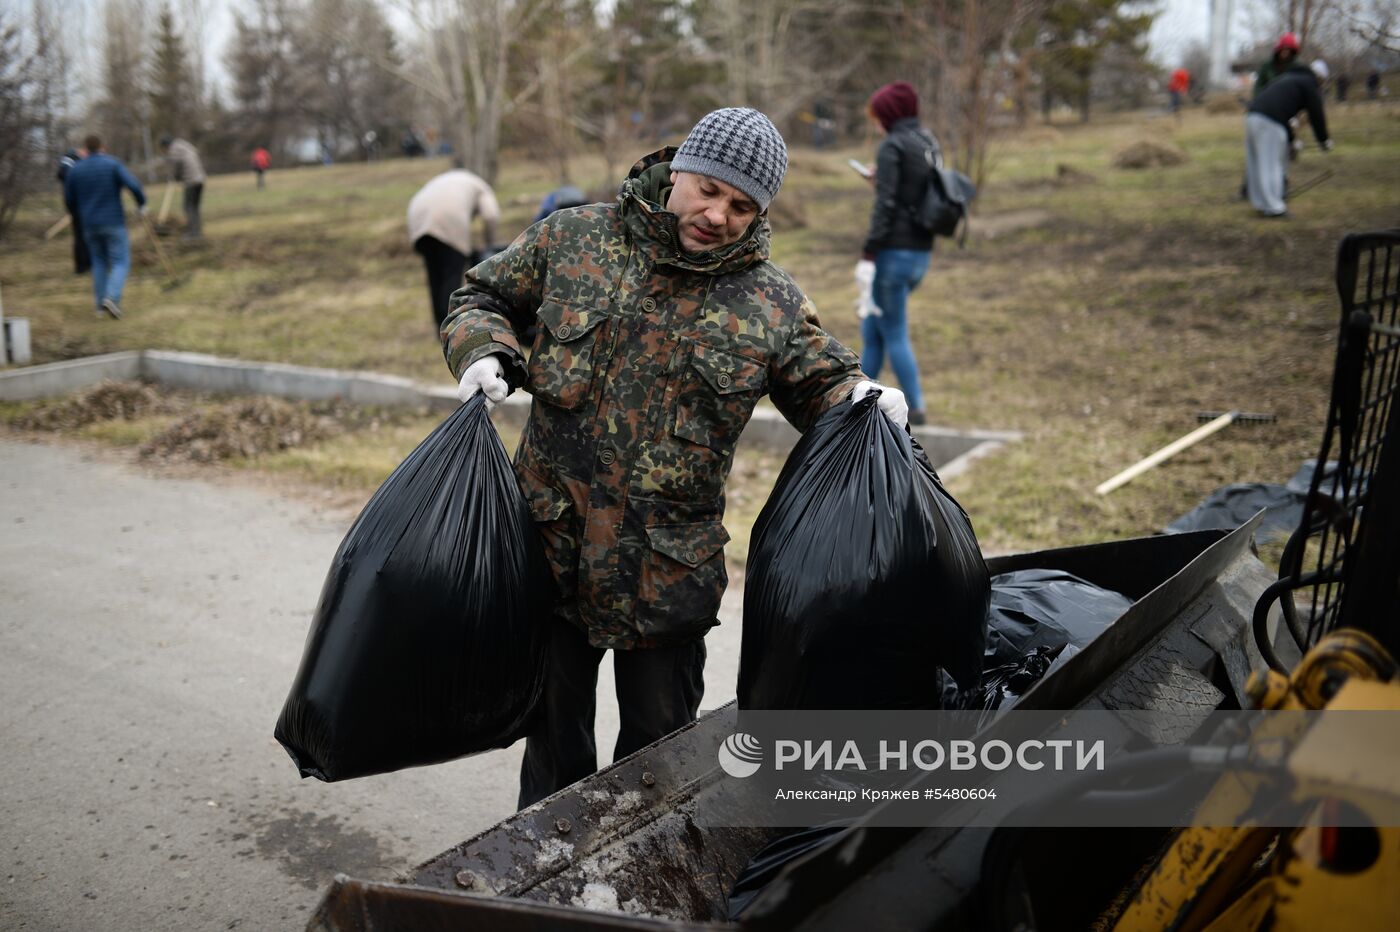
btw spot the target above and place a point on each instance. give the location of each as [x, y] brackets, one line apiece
[1217, 421]
[172, 280]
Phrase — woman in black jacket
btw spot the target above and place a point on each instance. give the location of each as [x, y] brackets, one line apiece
[896, 243]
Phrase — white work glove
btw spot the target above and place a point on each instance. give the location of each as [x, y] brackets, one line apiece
[891, 401]
[485, 375]
[865, 280]
[1327, 145]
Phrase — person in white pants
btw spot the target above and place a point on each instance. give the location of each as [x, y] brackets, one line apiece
[1266, 142]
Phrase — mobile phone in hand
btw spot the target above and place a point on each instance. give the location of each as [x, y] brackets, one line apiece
[860, 169]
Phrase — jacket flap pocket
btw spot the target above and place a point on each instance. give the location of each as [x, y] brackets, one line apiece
[546, 504]
[566, 322]
[727, 372]
[691, 544]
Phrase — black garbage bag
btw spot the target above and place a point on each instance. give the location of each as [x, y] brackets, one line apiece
[428, 643]
[864, 576]
[1046, 608]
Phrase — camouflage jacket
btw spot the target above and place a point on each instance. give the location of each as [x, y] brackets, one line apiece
[646, 365]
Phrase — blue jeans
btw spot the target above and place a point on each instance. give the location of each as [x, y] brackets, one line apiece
[897, 272]
[111, 260]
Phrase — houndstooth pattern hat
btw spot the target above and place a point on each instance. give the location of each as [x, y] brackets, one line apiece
[739, 146]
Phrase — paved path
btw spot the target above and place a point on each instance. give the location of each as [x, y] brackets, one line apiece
[149, 630]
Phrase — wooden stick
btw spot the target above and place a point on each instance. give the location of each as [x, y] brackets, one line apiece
[165, 202]
[160, 251]
[58, 227]
[1171, 449]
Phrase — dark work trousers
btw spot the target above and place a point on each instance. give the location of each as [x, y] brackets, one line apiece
[658, 691]
[445, 267]
[193, 228]
[81, 261]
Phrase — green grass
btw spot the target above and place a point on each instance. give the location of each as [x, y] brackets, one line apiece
[1095, 316]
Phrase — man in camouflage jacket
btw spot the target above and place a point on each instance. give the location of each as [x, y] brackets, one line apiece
[660, 323]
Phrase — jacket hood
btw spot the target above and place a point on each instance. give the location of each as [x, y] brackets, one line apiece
[656, 231]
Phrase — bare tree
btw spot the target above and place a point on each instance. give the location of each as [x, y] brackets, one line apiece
[970, 51]
[559, 62]
[780, 55]
[465, 67]
[20, 121]
[53, 74]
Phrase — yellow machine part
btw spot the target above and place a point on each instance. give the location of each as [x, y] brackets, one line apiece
[1215, 879]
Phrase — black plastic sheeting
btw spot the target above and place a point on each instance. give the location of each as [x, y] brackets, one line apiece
[428, 643]
[770, 860]
[1230, 506]
[864, 575]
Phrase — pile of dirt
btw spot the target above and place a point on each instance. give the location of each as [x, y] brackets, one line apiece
[246, 428]
[1149, 153]
[107, 401]
[1068, 175]
[787, 213]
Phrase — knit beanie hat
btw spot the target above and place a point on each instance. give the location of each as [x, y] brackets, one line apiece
[894, 102]
[740, 147]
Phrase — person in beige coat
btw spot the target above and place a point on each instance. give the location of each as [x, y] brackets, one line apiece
[186, 168]
[440, 229]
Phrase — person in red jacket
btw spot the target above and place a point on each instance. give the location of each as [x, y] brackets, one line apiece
[261, 162]
[1177, 87]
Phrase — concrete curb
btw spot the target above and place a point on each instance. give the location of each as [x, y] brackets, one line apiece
[951, 451]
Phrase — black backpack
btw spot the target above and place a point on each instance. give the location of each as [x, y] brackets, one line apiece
[946, 200]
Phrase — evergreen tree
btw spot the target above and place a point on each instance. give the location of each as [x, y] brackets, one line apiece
[267, 84]
[173, 105]
[122, 112]
[1075, 34]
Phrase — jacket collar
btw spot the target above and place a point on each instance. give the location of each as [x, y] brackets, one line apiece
[655, 230]
[904, 123]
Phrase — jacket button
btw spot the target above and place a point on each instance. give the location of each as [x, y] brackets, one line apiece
[723, 381]
[648, 304]
[607, 457]
[564, 331]
[664, 236]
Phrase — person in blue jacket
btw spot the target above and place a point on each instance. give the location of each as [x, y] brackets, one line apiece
[93, 192]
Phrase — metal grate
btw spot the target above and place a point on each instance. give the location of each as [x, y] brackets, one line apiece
[1342, 566]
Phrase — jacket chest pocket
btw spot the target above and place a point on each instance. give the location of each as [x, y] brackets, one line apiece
[718, 394]
[566, 353]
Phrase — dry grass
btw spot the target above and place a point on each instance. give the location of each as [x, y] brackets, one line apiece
[1096, 309]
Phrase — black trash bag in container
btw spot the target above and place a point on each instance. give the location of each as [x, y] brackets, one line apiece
[428, 643]
[863, 576]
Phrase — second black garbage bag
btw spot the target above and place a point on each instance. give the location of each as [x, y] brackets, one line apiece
[863, 575]
[428, 642]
